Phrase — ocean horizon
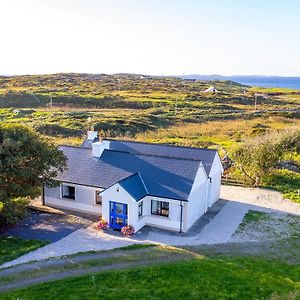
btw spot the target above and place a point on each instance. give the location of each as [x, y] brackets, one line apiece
[269, 82]
[259, 80]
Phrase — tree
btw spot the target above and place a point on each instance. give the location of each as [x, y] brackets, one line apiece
[27, 161]
[256, 157]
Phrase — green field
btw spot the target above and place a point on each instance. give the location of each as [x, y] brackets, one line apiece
[231, 278]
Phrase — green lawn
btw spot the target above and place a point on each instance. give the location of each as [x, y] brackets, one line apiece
[11, 247]
[228, 278]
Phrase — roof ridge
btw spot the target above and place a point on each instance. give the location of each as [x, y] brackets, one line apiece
[158, 144]
[74, 146]
[143, 182]
[153, 155]
[131, 175]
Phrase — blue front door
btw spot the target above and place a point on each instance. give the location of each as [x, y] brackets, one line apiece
[118, 215]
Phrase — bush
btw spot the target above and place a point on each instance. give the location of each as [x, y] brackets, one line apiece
[258, 156]
[13, 211]
[57, 130]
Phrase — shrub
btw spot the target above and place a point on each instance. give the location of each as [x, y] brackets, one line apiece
[13, 211]
[258, 156]
[127, 230]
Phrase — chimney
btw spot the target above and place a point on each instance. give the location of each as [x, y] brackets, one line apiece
[99, 147]
[91, 135]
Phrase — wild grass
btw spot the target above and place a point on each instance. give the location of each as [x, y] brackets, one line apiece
[285, 181]
[216, 134]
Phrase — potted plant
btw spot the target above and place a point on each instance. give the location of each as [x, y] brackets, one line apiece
[102, 224]
[127, 230]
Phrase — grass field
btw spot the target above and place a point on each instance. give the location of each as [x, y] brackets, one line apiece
[11, 247]
[228, 278]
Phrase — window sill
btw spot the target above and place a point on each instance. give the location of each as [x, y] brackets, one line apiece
[67, 198]
[159, 216]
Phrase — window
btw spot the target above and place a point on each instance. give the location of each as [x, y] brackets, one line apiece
[98, 198]
[141, 208]
[160, 208]
[68, 191]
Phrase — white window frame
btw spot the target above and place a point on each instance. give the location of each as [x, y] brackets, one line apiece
[95, 194]
[160, 208]
[62, 185]
[140, 205]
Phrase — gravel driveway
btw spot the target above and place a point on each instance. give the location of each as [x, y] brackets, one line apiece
[218, 230]
[260, 199]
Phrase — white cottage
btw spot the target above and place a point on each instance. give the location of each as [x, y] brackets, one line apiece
[138, 184]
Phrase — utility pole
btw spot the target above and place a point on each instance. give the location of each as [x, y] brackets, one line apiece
[90, 124]
[255, 101]
[51, 102]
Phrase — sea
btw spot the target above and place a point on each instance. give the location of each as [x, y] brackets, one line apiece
[269, 81]
[253, 80]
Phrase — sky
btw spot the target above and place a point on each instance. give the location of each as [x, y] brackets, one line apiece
[156, 37]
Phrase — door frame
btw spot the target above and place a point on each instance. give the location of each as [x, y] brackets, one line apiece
[113, 215]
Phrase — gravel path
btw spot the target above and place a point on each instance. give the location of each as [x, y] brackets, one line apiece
[219, 230]
[82, 240]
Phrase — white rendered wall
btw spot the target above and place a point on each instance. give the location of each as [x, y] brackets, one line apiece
[117, 194]
[197, 201]
[215, 185]
[172, 222]
[84, 199]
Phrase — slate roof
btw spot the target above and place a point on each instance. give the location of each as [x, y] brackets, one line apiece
[206, 156]
[135, 186]
[162, 176]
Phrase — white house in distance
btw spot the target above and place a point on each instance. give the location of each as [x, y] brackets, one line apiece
[138, 184]
[211, 89]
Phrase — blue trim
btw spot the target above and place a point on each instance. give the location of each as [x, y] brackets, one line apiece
[113, 215]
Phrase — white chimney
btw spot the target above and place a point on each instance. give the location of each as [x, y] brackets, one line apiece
[91, 135]
[99, 147]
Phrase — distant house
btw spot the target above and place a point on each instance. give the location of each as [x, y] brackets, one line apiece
[138, 183]
[211, 89]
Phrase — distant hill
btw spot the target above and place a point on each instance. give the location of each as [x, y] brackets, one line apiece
[132, 91]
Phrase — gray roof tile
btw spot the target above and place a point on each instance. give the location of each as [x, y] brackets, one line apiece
[162, 176]
[206, 156]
